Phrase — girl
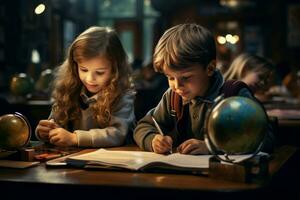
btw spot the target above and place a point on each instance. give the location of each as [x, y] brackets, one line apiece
[93, 103]
[257, 72]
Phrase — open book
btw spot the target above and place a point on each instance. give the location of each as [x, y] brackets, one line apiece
[142, 161]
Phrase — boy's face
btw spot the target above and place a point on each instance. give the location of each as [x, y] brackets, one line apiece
[190, 82]
[95, 73]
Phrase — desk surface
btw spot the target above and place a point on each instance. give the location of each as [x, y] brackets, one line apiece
[136, 182]
[288, 118]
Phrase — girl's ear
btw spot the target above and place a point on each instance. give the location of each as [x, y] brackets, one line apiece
[211, 67]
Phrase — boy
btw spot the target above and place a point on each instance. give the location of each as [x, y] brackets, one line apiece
[186, 54]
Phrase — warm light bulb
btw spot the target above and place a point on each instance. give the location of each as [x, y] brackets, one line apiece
[221, 39]
[39, 9]
[228, 37]
[235, 39]
[35, 56]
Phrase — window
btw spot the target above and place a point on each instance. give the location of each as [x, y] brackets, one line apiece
[133, 20]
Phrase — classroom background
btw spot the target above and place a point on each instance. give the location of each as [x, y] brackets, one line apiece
[35, 34]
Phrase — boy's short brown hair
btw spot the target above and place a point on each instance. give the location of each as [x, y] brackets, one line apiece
[184, 45]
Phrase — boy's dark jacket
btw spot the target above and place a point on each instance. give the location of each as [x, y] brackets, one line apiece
[195, 115]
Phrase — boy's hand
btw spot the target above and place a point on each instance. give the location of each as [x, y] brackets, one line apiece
[62, 137]
[162, 144]
[44, 127]
[193, 146]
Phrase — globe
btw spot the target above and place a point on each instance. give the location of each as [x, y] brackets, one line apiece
[15, 131]
[43, 83]
[21, 84]
[236, 125]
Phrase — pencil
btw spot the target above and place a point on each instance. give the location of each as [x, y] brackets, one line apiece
[159, 129]
[157, 126]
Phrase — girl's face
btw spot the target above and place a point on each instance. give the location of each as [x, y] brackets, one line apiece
[95, 73]
[190, 82]
[256, 81]
[252, 80]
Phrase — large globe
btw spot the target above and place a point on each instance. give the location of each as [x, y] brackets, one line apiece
[15, 131]
[21, 84]
[236, 125]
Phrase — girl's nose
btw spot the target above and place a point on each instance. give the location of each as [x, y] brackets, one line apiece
[90, 77]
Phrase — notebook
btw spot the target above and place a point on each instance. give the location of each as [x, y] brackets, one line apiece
[143, 161]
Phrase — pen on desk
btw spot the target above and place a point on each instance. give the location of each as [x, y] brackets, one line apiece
[158, 128]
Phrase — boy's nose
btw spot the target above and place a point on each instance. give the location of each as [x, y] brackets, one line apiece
[177, 84]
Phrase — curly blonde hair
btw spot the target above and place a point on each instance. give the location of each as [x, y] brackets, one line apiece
[93, 42]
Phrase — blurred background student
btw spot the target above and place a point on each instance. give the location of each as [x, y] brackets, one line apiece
[150, 86]
[256, 71]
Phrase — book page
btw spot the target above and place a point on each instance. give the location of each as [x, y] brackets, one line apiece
[187, 161]
[126, 159]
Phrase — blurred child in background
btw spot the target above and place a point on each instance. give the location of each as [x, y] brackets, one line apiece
[257, 72]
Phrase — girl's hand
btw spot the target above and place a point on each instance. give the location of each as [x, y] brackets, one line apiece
[193, 146]
[62, 137]
[162, 144]
[43, 128]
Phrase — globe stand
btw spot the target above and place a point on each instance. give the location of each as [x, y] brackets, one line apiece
[27, 154]
[229, 130]
[254, 169]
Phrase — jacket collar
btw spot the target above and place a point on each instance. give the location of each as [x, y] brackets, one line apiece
[85, 98]
[216, 83]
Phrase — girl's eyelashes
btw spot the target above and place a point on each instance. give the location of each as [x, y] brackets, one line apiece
[99, 73]
[83, 69]
[86, 70]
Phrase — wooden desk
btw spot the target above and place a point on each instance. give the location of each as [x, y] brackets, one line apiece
[78, 183]
[288, 130]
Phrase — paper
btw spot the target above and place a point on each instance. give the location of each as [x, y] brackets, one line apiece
[141, 160]
[138, 160]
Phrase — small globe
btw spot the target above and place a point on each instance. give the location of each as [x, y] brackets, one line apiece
[15, 131]
[21, 84]
[44, 81]
[236, 125]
